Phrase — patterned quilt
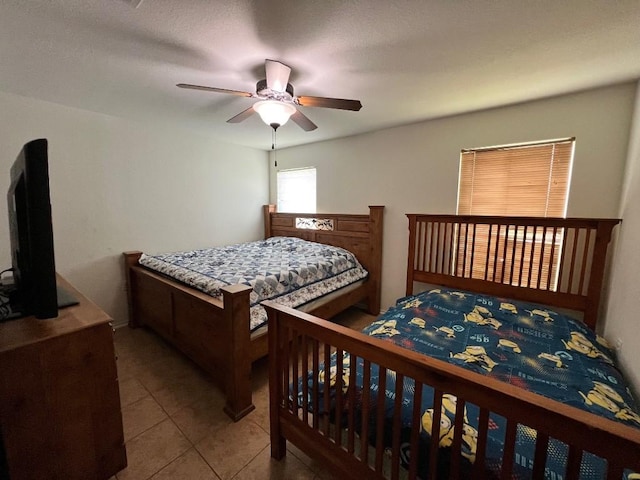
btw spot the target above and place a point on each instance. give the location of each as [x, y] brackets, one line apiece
[288, 270]
[526, 345]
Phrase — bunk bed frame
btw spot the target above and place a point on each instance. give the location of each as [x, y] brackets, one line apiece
[559, 262]
[215, 332]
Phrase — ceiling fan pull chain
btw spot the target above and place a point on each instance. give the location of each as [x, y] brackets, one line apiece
[273, 145]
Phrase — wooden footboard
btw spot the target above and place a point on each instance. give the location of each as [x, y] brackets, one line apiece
[212, 332]
[300, 343]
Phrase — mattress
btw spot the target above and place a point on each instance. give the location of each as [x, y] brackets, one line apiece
[526, 345]
[287, 270]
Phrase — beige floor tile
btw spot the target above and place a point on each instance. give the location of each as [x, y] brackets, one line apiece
[202, 416]
[300, 455]
[152, 450]
[263, 467]
[261, 414]
[146, 364]
[165, 370]
[229, 449]
[184, 391]
[190, 466]
[141, 344]
[141, 416]
[131, 390]
[313, 465]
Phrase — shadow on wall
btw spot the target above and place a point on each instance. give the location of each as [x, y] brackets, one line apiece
[102, 280]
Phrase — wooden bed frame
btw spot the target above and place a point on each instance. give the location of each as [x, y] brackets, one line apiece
[215, 332]
[444, 250]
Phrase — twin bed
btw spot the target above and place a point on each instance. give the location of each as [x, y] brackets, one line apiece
[222, 333]
[486, 360]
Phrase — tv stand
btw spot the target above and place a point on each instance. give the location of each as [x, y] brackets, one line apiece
[59, 397]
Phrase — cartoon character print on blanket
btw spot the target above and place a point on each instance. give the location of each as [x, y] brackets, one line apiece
[526, 345]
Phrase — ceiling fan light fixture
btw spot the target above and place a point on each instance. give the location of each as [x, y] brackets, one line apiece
[274, 112]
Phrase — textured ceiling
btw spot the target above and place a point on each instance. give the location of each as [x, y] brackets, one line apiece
[405, 60]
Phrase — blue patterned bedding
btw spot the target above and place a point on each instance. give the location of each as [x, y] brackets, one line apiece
[523, 344]
[288, 270]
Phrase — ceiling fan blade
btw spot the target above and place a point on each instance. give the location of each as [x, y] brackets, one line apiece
[303, 121]
[242, 115]
[214, 89]
[339, 103]
[277, 75]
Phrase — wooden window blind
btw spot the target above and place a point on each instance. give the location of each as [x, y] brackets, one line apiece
[516, 180]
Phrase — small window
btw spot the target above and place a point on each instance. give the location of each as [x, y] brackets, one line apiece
[297, 190]
[516, 180]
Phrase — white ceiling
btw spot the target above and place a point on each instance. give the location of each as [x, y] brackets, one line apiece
[406, 61]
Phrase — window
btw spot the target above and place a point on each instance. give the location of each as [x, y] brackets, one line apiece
[297, 190]
[517, 180]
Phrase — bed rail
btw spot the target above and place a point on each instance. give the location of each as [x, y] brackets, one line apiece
[300, 343]
[554, 261]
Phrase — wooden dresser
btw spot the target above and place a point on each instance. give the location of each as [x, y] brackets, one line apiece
[59, 398]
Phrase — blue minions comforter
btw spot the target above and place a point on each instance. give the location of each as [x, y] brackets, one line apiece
[526, 345]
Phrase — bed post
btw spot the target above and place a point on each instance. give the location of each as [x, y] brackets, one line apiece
[411, 253]
[596, 279]
[267, 210]
[238, 374]
[278, 441]
[375, 262]
[130, 260]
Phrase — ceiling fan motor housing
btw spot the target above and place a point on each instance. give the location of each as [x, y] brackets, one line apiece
[263, 91]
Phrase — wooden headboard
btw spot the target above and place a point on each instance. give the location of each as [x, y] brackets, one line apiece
[553, 261]
[360, 234]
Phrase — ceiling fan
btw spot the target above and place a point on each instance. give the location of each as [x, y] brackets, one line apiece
[277, 102]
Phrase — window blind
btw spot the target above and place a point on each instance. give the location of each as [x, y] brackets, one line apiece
[296, 190]
[518, 180]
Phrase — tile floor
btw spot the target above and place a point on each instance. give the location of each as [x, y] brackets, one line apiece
[174, 426]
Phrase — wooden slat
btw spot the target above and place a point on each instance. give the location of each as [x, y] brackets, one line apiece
[614, 471]
[395, 430]
[553, 260]
[574, 459]
[572, 264]
[294, 363]
[353, 362]
[481, 448]
[380, 415]
[366, 410]
[513, 253]
[416, 420]
[509, 448]
[435, 434]
[305, 383]
[456, 447]
[338, 390]
[316, 389]
[540, 456]
[327, 374]
[585, 261]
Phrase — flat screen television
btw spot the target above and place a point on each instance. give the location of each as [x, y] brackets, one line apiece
[32, 257]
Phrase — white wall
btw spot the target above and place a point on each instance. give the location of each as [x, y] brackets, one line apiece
[118, 185]
[622, 313]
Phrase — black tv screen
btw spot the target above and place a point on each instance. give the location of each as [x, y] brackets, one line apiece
[31, 234]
